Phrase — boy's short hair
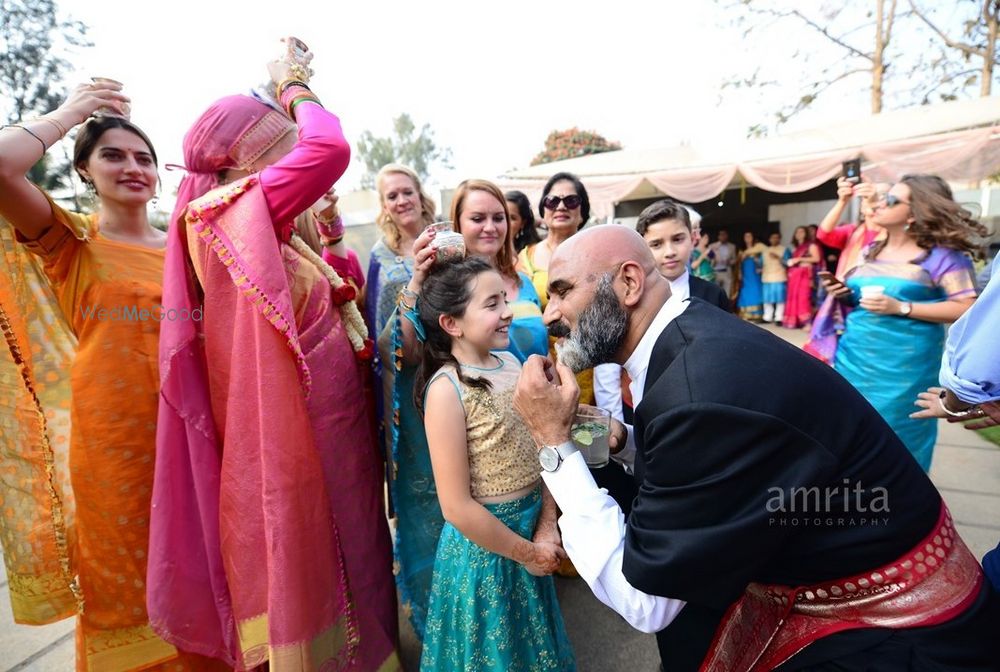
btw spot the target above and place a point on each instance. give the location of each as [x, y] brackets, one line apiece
[663, 209]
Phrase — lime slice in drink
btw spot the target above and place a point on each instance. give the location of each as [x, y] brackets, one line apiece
[583, 437]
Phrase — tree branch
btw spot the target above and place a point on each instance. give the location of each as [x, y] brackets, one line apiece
[961, 46]
[812, 24]
[888, 24]
[823, 31]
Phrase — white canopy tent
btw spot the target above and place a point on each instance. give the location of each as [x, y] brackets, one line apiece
[959, 141]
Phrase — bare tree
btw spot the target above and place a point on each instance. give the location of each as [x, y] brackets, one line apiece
[978, 41]
[861, 41]
[879, 42]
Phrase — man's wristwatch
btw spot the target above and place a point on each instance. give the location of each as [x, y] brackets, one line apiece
[552, 457]
[904, 308]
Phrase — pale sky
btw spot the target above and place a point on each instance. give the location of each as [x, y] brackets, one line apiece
[492, 79]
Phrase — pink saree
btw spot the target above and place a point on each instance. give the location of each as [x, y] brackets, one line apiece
[798, 301]
[265, 461]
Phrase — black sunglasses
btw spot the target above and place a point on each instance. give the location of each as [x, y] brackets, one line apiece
[891, 201]
[572, 202]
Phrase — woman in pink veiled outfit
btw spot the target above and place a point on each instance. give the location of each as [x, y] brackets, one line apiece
[268, 536]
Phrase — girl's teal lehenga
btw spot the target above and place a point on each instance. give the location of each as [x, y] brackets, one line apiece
[487, 612]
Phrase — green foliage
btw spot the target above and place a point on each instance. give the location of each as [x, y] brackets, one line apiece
[406, 146]
[572, 143]
[35, 40]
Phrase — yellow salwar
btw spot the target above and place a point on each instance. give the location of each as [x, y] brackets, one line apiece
[107, 296]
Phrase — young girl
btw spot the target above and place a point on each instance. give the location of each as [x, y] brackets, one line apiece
[492, 605]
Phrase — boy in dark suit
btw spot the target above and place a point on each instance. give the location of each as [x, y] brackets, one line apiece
[666, 228]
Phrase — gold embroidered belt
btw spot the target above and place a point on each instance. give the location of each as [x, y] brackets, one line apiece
[931, 584]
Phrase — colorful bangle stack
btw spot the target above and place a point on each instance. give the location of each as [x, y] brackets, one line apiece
[293, 93]
[330, 228]
[285, 83]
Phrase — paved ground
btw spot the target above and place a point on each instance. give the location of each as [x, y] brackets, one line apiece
[966, 470]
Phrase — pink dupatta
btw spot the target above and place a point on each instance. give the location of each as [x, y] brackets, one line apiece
[244, 561]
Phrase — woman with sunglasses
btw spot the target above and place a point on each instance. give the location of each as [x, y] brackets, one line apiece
[910, 285]
[565, 209]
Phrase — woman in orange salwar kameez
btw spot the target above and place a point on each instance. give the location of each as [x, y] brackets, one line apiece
[88, 302]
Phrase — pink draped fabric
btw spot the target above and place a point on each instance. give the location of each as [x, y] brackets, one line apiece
[265, 578]
[792, 175]
[971, 155]
[690, 186]
[255, 470]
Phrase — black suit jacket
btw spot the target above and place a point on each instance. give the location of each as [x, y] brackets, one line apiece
[709, 292]
[732, 419]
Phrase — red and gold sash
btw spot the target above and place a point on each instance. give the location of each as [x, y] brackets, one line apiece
[931, 584]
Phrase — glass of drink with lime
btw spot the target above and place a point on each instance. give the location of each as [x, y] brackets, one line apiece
[590, 432]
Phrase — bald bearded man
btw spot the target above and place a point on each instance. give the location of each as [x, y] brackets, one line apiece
[780, 523]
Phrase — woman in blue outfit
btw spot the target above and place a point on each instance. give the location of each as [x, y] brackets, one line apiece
[479, 213]
[492, 606]
[750, 302]
[909, 286]
[406, 211]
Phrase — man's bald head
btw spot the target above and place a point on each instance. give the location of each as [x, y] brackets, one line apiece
[603, 248]
[604, 289]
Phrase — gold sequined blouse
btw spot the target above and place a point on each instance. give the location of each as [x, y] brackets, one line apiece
[502, 454]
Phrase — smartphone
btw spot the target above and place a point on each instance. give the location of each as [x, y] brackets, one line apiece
[851, 170]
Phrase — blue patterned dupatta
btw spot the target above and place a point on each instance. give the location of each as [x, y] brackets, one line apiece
[889, 358]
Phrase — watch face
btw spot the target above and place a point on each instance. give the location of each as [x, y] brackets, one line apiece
[549, 458]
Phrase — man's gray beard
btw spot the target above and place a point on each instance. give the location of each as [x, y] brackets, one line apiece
[598, 335]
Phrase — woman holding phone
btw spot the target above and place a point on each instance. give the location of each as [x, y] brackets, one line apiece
[909, 285]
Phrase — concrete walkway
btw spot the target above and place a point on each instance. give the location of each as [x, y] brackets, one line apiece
[966, 469]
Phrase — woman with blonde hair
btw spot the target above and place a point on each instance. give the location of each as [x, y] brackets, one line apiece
[406, 210]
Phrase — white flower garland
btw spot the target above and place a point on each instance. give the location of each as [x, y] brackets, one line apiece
[354, 324]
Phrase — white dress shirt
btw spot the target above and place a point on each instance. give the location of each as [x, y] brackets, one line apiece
[592, 524]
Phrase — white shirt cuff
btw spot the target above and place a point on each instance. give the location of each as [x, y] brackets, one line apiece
[593, 533]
